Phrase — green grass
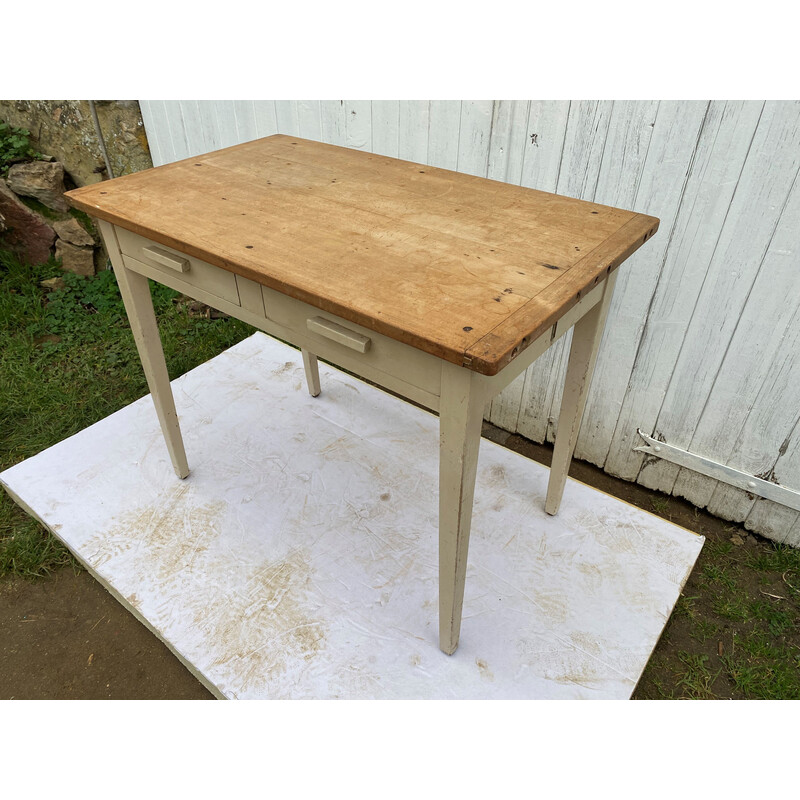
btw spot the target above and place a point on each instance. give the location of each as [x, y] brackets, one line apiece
[736, 631]
[660, 504]
[696, 677]
[67, 359]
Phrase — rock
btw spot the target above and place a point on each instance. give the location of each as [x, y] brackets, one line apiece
[64, 129]
[70, 230]
[43, 180]
[27, 233]
[79, 260]
[53, 283]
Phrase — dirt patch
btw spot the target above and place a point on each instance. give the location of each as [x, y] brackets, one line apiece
[66, 637]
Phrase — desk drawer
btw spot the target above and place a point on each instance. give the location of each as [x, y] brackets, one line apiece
[352, 346]
[179, 268]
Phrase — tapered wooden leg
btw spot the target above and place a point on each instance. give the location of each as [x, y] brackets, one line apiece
[460, 418]
[139, 307]
[586, 336]
[312, 372]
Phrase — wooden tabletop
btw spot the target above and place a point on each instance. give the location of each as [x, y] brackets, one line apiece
[469, 269]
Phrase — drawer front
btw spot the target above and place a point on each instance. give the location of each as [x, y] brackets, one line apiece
[347, 344]
[177, 266]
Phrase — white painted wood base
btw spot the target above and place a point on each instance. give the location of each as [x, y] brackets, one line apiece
[460, 420]
[138, 302]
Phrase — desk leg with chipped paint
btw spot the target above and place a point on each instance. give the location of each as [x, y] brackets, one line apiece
[311, 367]
[138, 302]
[586, 337]
[460, 419]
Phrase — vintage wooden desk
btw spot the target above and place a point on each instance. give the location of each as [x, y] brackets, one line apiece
[439, 286]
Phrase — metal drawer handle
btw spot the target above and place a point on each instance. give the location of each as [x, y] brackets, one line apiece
[166, 259]
[338, 333]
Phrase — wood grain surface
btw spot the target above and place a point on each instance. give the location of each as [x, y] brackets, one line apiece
[468, 269]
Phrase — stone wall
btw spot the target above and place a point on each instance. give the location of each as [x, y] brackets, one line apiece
[64, 131]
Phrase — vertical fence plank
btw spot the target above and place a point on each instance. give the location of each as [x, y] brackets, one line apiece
[156, 116]
[772, 519]
[226, 122]
[286, 119]
[474, 135]
[309, 119]
[507, 140]
[545, 133]
[332, 116]
[358, 124]
[385, 127]
[208, 119]
[154, 130]
[177, 129]
[193, 128]
[266, 118]
[412, 138]
[245, 113]
[443, 132]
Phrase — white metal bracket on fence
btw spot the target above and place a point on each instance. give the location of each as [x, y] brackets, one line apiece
[713, 469]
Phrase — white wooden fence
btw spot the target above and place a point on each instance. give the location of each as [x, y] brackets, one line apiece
[702, 348]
